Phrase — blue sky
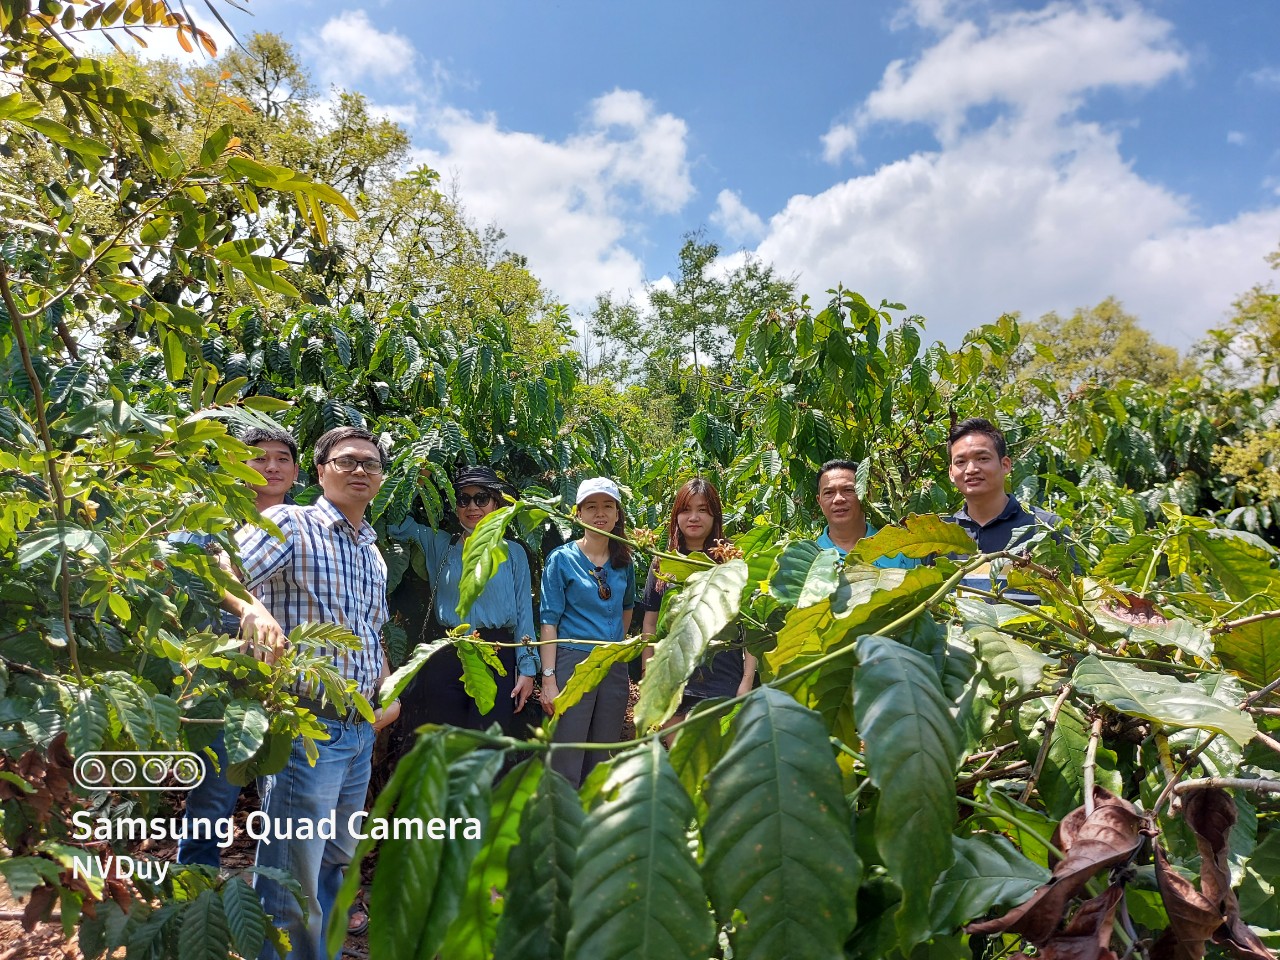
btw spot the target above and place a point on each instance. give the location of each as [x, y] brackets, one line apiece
[964, 157]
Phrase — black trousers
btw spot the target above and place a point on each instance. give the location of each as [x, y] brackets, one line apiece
[436, 694]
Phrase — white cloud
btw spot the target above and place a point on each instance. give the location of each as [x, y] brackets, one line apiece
[570, 205]
[1040, 64]
[1036, 210]
[735, 218]
[348, 48]
[839, 141]
[1267, 77]
[1237, 138]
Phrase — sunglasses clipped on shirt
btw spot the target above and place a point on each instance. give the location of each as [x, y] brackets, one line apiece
[605, 591]
[481, 499]
[349, 464]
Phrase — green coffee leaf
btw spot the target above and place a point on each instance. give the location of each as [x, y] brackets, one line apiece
[535, 922]
[636, 888]
[918, 537]
[910, 742]
[706, 604]
[779, 861]
[804, 573]
[1162, 699]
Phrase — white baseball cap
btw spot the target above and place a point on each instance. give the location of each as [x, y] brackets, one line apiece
[598, 485]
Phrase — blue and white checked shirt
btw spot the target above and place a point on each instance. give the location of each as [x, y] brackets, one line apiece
[324, 571]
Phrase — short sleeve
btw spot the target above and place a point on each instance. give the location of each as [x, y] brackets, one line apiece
[261, 554]
[553, 590]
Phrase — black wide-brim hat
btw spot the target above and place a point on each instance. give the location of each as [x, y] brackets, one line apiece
[479, 477]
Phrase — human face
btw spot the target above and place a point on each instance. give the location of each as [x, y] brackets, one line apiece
[277, 465]
[350, 492]
[838, 497]
[976, 469]
[473, 513]
[695, 521]
[600, 511]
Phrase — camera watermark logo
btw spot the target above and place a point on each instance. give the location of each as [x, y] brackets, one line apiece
[139, 770]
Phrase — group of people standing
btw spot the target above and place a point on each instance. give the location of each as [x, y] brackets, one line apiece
[328, 568]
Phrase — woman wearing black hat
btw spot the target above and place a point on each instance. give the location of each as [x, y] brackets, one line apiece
[503, 612]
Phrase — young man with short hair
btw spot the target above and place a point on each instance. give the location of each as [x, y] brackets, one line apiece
[214, 798]
[978, 464]
[327, 569]
[846, 522]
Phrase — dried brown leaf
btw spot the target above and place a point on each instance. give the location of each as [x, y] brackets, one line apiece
[1108, 836]
[39, 904]
[1192, 917]
[1088, 935]
[1239, 938]
[1211, 814]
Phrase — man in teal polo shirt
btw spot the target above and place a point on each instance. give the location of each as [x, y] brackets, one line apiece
[846, 523]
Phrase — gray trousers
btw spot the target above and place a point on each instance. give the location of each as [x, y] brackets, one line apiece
[596, 718]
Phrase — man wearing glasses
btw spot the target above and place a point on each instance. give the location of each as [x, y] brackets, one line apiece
[502, 613]
[326, 569]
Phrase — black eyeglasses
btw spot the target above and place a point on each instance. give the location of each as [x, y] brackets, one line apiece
[601, 584]
[481, 499]
[349, 464]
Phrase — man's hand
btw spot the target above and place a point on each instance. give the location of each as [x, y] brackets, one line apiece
[385, 716]
[521, 691]
[263, 636]
[549, 691]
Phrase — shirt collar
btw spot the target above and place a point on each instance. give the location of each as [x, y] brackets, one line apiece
[1012, 508]
[825, 541]
[335, 518]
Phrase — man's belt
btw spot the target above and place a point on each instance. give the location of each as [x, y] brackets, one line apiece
[327, 711]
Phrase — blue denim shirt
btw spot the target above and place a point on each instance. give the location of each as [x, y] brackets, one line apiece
[506, 603]
[571, 598]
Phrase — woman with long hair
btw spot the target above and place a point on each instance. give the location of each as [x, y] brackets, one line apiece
[697, 524]
[588, 590]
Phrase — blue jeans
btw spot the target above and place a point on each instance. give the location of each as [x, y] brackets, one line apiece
[214, 799]
[333, 789]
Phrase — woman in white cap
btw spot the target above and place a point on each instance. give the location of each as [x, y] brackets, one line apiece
[588, 589]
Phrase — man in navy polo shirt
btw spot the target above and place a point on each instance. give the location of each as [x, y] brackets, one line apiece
[978, 465]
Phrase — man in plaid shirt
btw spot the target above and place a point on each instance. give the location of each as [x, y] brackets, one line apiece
[327, 569]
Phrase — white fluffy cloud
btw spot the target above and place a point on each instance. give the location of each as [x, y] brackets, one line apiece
[349, 48]
[1035, 210]
[570, 205]
[735, 218]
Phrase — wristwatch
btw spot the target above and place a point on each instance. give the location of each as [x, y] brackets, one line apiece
[548, 671]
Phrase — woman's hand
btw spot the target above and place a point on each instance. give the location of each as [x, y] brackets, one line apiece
[521, 691]
[549, 692]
